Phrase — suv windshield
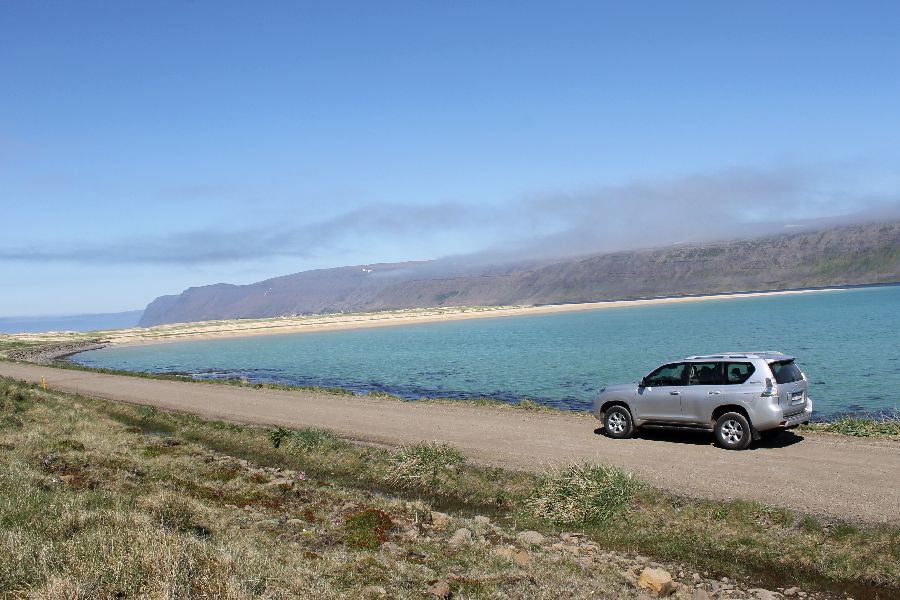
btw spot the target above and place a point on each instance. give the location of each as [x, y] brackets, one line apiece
[786, 372]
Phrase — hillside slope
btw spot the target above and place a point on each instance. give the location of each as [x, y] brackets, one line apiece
[849, 255]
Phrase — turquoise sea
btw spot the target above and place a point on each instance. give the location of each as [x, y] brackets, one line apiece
[847, 342]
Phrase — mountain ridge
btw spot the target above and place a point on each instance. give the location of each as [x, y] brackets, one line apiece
[844, 255]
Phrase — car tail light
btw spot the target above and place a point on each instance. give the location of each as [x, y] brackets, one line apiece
[771, 388]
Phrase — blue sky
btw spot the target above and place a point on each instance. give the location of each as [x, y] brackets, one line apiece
[148, 147]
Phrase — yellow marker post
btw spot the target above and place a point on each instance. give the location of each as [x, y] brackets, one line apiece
[43, 383]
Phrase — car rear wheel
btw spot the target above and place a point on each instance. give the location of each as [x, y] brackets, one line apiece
[617, 422]
[733, 431]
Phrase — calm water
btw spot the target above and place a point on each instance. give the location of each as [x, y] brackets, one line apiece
[846, 341]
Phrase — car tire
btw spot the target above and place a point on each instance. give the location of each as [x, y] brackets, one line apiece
[733, 431]
[617, 422]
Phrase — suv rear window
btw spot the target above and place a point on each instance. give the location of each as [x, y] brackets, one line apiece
[737, 373]
[786, 372]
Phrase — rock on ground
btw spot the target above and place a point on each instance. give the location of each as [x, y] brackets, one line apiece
[657, 581]
[439, 520]
[440, 589]
[530, 537]
[461, 537]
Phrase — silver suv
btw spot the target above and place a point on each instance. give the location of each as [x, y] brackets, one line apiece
[738, 395]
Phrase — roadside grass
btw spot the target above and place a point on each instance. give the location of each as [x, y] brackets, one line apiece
[584, 494]
[885, 426]
[99, 499]
[429, 465]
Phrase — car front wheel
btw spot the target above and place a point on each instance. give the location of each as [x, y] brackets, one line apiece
[617, 422]
[733, 431]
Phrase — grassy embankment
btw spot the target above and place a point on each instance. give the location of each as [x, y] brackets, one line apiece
[99, 499]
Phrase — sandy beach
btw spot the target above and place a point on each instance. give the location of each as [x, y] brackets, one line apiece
[334, 322]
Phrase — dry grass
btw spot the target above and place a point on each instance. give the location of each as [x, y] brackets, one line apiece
[581, 494]
[99, 500]
[884, 426]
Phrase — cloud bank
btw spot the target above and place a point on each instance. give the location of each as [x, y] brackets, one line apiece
[723, 205]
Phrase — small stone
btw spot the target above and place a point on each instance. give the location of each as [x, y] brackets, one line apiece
[392, 549]
[440, 589]
[411, 534]
[762, 594]
[481, 520]
[504, 552]
[571, 549]
[522, 558]
[460, 537]
[530, 537]
[658, 581]
[696, 577]
[373, 591]
[439, 520]
[791, 591]
[700, 595]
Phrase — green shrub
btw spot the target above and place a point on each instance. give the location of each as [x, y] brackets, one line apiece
[278, 435]
[581, 494]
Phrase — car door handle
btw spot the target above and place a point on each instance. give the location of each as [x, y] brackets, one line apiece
[675, 393]
[711, 393]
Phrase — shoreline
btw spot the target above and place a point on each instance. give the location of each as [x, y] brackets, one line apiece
[237, 328]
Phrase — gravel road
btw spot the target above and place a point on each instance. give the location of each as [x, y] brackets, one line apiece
[827, 475]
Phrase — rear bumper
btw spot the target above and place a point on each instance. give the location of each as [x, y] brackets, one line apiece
[771, 416]
[798, 419]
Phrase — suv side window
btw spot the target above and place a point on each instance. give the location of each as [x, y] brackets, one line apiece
[705, 374]
[666, 375]
[786, 372]
[737, 373]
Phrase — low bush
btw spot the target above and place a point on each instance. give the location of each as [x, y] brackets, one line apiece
[429, 465]
[278, 435]
[585, 493]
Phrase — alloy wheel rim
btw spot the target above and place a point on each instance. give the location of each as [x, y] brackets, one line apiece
[616, 423]
[732, 431]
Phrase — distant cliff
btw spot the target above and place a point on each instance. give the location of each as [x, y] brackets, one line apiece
[854, 254]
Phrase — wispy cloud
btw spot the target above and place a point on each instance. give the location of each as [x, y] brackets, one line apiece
[727, 204]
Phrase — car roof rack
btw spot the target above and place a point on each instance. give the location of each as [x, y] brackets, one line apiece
[764, 354]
